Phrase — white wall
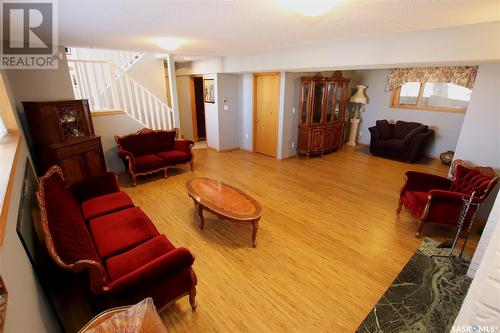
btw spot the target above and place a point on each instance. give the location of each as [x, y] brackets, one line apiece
[229, 92]
[290, 118]
[37, 85]
[150, 73]
[212, 116]
[481, 306]
[479, 141]
[458, 45]
[185, 113]
[446, 125]
[247, 111]
[107, 126]
[27, 307]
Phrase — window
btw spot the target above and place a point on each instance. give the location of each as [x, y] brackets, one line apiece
[445, 97]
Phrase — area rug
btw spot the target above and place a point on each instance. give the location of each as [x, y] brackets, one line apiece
[425, 297]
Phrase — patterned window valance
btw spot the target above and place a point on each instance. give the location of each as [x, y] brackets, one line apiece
[460, 75]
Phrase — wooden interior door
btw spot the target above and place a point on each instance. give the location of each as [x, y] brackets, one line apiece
[266, 105]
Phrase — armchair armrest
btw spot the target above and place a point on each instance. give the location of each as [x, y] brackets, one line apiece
[166, 265]
[126, 155]
[424, 182]
[374, 133]
[445, 207]
[374, 137]
[96, 186]
[450, 196]
[417, 145]
[184, 145]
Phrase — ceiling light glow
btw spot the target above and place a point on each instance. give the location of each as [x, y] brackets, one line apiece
[310, 8]
[168, 43]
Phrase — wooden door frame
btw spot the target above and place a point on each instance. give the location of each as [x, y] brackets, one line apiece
[254, 127]
[194, 116]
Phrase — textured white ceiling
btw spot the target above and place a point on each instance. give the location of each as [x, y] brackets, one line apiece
[225, 28]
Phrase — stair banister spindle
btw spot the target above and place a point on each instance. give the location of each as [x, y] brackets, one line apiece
[104, 88]
[144, 107]
[122, 99]
[114, 93]
[136, 98]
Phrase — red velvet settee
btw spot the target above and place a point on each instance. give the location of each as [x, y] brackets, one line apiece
[437, 199]
[94, 227]
[149, 151]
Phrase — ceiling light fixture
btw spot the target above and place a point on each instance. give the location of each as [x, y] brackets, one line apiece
[168, 43]
[310, 8]
[186, 58]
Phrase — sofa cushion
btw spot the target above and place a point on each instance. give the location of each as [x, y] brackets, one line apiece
[67, 227]
[147, 143]
[138, 256]
[174, 157]
[117, 232]
[148, 162]
[415, 201]
[414, 132]
[392, 144]
[402, 128]
[385, 130]
[106, 204]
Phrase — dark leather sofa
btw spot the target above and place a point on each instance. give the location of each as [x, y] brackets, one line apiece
[403, 140]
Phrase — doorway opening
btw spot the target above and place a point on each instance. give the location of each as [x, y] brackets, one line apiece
[198, 108]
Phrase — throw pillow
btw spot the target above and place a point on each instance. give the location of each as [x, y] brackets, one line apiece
[414, 132]
[385, 129]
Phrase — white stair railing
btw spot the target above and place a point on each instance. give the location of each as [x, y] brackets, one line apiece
[123, 59]
[108, 87]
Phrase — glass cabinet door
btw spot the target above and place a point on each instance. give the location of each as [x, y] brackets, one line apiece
[319, 88]
[338, 98]
[330, 101]
[303, 106]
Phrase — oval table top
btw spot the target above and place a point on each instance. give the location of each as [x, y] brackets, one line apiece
[223, 199]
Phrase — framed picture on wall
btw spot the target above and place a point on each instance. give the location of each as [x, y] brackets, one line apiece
[208, 90]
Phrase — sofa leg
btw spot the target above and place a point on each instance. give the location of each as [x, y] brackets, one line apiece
[420, 225]
[165, 173]
[134, 180]
[400, 205]
[192, 295]
[191, 165]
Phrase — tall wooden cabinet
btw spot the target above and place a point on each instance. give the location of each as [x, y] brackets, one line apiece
[322, 113]
[63, 134]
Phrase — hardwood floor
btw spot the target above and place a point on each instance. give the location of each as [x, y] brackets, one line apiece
[329, 241]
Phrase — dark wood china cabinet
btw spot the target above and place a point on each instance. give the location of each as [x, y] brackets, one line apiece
[63, 134]
[322, 114]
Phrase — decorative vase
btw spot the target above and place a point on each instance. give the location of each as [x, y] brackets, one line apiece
[447, 157]
[354, 132]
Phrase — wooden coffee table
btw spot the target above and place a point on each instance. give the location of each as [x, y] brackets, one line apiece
[225, 201]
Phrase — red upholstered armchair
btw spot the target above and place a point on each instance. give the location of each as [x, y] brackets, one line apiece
[437, 199]
[94, 227]
[149, 151]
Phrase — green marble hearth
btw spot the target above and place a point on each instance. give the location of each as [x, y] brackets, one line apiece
[425, 297]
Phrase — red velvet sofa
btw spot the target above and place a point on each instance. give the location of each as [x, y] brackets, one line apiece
[94, 227]
[149, 151]
[437, 199]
